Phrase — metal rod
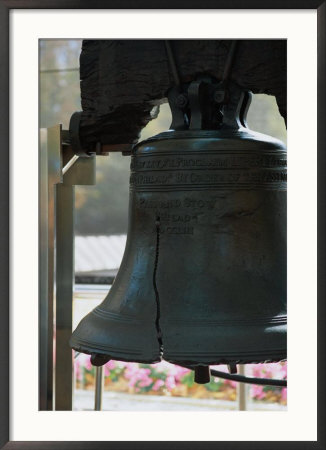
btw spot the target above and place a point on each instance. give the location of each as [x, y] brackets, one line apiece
[172, 63]
[99, 384]
[249, 380]
[69, 164]
[70, 69]
[242, 391]
[229, 60]
[244, 379]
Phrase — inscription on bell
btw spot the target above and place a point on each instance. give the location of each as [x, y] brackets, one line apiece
[209, 171]
[177, 230]
[216, 162]
[187, 202]
[177, 217]
[212, 179]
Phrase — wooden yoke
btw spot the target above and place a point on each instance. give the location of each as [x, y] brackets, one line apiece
[123, 81]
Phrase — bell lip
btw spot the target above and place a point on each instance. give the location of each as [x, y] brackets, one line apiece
[81, 348]
[274, 356]
[189, 363]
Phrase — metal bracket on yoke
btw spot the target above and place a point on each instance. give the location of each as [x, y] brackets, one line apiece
[208, 105]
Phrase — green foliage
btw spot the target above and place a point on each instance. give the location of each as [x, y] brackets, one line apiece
[116, 373]
[214, 385]
[188, 379]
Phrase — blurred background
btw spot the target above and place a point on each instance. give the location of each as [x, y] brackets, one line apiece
[100, 228]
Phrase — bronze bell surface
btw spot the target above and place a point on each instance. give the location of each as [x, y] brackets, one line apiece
[203, 277]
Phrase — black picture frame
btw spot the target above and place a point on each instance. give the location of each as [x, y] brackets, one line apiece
[5, 7]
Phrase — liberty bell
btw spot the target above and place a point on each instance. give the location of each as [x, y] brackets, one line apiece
[203, 277]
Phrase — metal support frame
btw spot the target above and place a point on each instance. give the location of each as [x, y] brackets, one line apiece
[99, 386]
[64, 288]
[60, 171]
[242, 390]
[49, 175]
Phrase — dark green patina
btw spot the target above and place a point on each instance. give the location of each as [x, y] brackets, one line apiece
[203, 278]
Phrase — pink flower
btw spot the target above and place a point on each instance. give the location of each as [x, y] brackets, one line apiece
[284, 369]
[180, 373]
[170, 382]
[257, 392]
[137, 375]
[231, 383]
[88, 364]
[145, 382]
[132, 370]
[132, 383]
[157, 385]
[271, 370]
[78, 373]
[110, 365]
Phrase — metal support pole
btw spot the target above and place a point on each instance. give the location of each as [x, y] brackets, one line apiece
[58, 166]
[80, 171]
[99, 386]
[49, 175]
[65, 196]
[242, 391]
